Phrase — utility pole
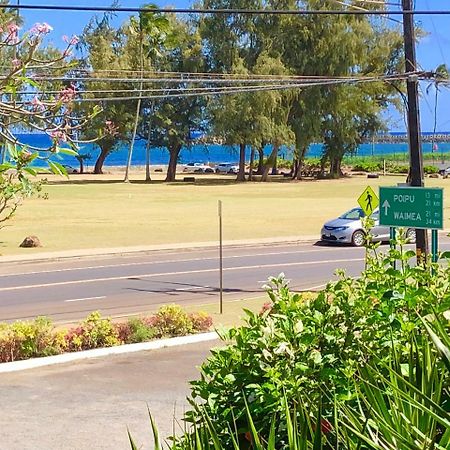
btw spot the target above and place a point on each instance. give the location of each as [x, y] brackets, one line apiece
[416, 175]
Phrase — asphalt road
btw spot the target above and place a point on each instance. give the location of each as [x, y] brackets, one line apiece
[67, 290]
[90, 404]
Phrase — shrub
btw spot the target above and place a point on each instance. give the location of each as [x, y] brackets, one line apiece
[201, 321]
[93, 332]
[22, 340]
[303, 348]
[171, 320]
[367, 166]
[141, 330]
[431, 169]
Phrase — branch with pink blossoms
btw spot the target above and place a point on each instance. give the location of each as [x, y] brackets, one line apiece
[36, 110]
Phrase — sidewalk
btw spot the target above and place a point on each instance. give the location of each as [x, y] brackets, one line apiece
[83, 253]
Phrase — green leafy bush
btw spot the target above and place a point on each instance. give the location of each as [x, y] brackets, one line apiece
[367, 166]
[171, 320]
[301, 348]
[431, 169]
[136, 329]
[398, 407]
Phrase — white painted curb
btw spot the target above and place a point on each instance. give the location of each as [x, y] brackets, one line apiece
[33, 363]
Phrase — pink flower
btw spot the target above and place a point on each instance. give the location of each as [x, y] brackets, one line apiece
[71, 41]
[16, 63]
[111, 129]
[41, 28]
[67, 94]
[58, 136]
[12, 28]
[37, 104]
[13, 33]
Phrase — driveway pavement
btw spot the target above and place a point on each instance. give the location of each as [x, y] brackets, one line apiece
[90, 404]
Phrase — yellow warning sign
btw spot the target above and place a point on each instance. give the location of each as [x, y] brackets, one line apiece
[368, 201]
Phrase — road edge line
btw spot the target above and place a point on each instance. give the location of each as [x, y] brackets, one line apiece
[34, 363]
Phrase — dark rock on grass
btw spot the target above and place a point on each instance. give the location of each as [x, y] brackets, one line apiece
[31, 242]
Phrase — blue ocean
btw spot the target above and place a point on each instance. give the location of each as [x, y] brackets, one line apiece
[216, 153]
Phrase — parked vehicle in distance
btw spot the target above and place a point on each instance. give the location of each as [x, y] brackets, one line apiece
[197, 168]
[227, 168]
[348, 229]
[444, 172]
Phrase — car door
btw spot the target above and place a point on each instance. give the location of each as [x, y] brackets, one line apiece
[379, 232]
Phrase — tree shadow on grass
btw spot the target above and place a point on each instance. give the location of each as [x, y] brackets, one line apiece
[197, 181]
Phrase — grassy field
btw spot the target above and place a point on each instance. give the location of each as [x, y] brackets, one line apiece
[233, 311]
[104, 212]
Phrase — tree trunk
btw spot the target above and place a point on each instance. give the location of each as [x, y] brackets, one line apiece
[104, 152]
[241, 173]
[147, 147]
[335, 167]
[301, 160]
[295, 168]
[260, 169]
[270, 162]
[252, 160]
[173, 160]
[275, 166]
[138, 109]
[323, 162]
[81, 162]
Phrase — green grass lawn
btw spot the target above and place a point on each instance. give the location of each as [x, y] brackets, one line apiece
[96, 213]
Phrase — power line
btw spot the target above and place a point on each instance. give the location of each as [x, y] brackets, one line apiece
[302, 12]
[225, 90]
[308, 79]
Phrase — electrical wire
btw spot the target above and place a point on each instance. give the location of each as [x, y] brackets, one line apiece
[304, 12]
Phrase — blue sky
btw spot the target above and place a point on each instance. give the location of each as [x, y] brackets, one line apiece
[433, 49]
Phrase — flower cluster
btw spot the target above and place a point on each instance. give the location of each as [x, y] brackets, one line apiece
[71, 40]
[41, 28]
[67, 94]
[111, 129]
[58, 136]
[13, 33]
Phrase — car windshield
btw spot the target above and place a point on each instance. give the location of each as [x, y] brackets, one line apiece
[353, 214]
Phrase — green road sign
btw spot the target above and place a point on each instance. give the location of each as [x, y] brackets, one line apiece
[368, 201]
[414, 207]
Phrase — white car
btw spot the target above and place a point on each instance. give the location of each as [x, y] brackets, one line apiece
[348, 229]
[227, 168]
[197, 168]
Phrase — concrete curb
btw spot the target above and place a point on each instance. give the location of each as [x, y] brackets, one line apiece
[34, 363]
[98, 252]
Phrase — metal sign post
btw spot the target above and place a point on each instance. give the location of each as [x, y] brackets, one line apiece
[434, 246]
[392, 236]
[220, 257]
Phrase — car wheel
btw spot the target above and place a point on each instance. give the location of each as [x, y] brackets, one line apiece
[411, 236]
[358, 238]
[217, 171]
